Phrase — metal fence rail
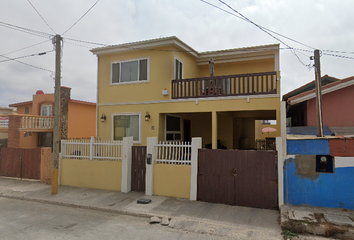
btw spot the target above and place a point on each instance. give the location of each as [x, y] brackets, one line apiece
[173, 153]
[93, 149]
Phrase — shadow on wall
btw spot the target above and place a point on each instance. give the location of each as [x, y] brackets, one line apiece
[3, 142]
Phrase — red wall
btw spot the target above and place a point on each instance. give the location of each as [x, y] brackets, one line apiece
[337, 108]
[342, 147]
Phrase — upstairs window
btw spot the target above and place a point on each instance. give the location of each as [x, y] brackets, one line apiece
[130, 71]
[178, 69]
[47, 110]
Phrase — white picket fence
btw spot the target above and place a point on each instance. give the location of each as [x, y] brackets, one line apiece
[173, 153]
[93, 149]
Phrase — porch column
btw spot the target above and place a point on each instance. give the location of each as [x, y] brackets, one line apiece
[214, 130]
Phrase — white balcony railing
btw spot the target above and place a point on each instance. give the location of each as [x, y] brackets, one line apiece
[37, 122]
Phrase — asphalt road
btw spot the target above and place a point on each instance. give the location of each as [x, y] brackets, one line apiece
[31, 220]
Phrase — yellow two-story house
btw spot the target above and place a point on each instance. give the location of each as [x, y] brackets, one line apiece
[164, 88]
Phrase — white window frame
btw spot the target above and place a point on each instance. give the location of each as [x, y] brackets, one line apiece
[127, 114]
[174, 132]
[174, 68]
[48, 106]
[130, 60]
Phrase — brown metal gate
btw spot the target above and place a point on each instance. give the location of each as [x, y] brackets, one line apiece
[21, 163]
[138, 168]
[238, 177]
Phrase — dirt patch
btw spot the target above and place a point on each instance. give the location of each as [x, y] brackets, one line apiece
[294, 226]
[332, 230]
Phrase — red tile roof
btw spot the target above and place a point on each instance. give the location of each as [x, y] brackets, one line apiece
[20, 104]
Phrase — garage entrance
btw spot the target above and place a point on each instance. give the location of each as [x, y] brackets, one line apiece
[238, 177]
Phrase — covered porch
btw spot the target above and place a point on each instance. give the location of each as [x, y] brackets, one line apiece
[219, 130]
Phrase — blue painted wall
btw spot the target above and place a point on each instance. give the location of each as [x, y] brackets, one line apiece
[333, 190]
[308, 147]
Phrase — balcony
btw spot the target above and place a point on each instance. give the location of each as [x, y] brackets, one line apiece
[225, 86]
[37, 124]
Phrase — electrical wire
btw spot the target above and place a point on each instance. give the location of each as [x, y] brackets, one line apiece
[267, 29]
[30, 55]
[81, 17]
[79, 45]
[30, 65]
[267, 32]
[337, 51]
[41, 16]
[25, 47]
[335, 55]
[26, 30]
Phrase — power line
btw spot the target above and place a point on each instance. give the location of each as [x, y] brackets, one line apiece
[335, 55]
[261, 28]
[26, 30]
[30, 55]
[41, 16]
[93, 43]
[28, 64]
[337, 51]
[25, 47]
[79, 45]
[257, 24]
[81, 17]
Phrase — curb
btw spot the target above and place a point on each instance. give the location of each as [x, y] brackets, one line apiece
[180, 223]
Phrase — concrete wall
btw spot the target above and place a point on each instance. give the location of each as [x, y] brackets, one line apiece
[106, 175]
[308, 147]
[81, 120]
[304, 186]
[46, 165]
[337, 108]
[172, 180]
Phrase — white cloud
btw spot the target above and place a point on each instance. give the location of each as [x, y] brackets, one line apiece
[321, 24]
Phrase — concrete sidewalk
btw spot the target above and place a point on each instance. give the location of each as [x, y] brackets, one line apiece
[333, 222]
[209, 218]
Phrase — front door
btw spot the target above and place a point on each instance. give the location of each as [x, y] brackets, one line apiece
[138, 168]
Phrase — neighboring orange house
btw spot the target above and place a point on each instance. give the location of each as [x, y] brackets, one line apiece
[32, 126]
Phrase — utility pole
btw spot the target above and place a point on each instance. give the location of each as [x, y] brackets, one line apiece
[318, 94]
[56, 134]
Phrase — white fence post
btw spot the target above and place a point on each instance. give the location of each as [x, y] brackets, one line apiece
[149, 181]
[92, 140]
[282, 152]
[60, 157]
[127, 165]
[196, 144]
